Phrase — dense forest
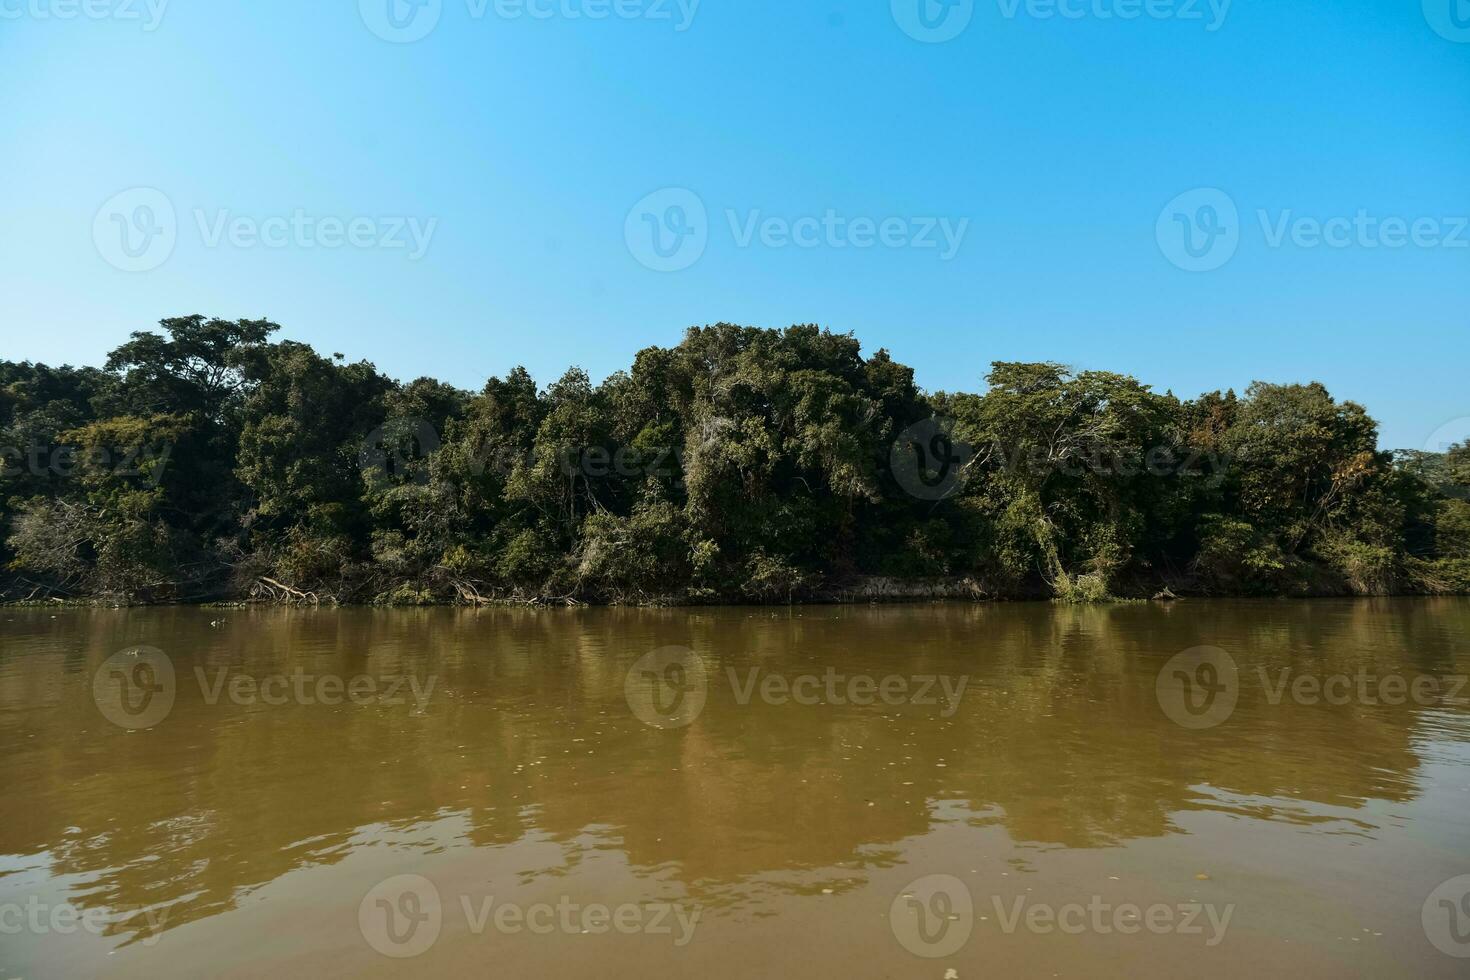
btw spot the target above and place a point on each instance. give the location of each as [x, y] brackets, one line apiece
[210, 461]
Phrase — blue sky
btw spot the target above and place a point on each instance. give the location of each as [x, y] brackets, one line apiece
[494, 177]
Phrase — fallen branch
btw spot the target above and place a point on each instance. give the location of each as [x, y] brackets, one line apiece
[275, 589]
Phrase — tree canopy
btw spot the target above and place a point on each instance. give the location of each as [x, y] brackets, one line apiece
[209, 460]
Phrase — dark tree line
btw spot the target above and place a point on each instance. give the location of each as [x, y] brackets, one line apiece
[210, 461]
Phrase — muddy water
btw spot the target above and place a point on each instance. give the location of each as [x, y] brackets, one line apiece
[1203, 788]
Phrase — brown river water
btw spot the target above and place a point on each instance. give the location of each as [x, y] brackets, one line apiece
[1204, 788]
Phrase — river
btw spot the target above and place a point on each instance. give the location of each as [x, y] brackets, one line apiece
[1202, 788]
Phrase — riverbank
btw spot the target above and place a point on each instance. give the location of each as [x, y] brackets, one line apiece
[861, 591]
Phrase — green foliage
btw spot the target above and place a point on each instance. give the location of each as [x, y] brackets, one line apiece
[208, 460]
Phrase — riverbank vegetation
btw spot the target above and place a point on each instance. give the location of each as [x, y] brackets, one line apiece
[212, 461]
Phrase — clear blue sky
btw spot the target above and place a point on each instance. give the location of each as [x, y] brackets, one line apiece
[528, 140]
